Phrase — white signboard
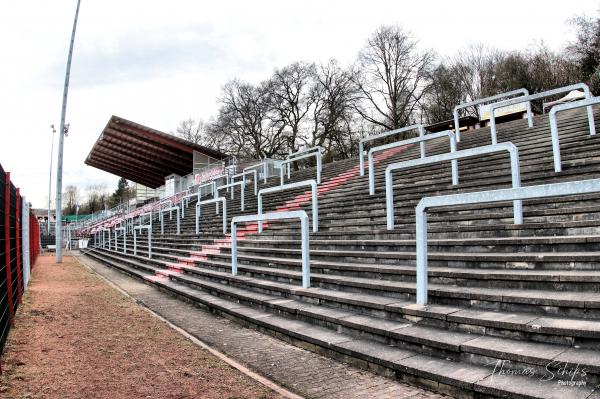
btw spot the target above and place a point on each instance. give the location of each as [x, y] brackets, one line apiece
[484, 110]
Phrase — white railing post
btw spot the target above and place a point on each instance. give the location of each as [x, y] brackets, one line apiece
[124, 230]
[507, 194]
[433, 136]
[162, 219]
[537, 96]
[316, 154]
[216, 202]
[554, 125]
[232, 185]
[254, 167]
[315, 205]
[243, 176]
[361, 143]
[471, 152]
[524, 92]
[305, 248]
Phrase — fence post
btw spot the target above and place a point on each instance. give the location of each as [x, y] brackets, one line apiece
[18, 246]
[11, 311]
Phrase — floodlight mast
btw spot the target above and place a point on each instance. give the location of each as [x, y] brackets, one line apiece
[61, 140]
[50, 180]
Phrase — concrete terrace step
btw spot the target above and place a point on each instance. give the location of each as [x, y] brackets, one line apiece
[414, 339]
[517, 322]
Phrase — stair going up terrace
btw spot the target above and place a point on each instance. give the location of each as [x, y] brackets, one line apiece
[513, 308]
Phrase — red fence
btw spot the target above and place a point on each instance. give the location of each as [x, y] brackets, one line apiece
[17, 252]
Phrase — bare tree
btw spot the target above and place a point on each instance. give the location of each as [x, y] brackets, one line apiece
[244, 121]
[291, 100]
[391, 77]
[71, 199]
[586, 49]
[96, 196]
[334, 97]
[445, 92]
[191, 130]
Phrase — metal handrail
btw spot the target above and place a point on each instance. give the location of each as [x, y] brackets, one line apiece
[297, 154]
[432, 136]
[489, 149]
[309, 155]
[361, 143]
[275, 216]
[214, 191]
[162, 218]
[537, 96]
[226, 176]
[554, 125]
[507, 194]
[149, 228]
[211, 183]
[185, 203]
[524, 92]
[124, 230]
[315, 205]
[232, 185]
[104, 240]
[254, 167]
[305, 151]
[243, 176]
[216, 202]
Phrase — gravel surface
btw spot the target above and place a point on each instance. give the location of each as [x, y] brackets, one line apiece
[76, 337]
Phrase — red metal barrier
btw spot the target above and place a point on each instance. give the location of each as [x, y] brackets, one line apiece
[11, 310]
[12, 227]
[18, 235]
[34, 239]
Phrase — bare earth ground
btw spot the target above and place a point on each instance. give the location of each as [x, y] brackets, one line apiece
[76, 337]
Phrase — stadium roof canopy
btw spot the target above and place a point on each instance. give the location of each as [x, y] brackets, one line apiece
[142, 154]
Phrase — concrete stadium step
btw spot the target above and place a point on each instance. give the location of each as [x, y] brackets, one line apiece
[560, 330]
[430, 344]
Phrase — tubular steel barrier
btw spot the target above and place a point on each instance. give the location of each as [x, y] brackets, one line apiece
[361, 143]
[243, 176]
[308, 155]
[489, 149]
[507, 194]
[432, 136]
[213, 184]
[258, 165]
[184, 203]
[232, 185]
[147, 227]
[19, 248]
[216, 202]
[537, 96]
[524, 92]
[104, 239]
[315, 205]
[275, 216]
[227, 179]
[297, 154]
[554, 125]
[124, 230]
[162, 218]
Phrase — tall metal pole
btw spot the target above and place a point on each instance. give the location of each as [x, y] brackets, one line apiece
[61, 140]
[50, 178]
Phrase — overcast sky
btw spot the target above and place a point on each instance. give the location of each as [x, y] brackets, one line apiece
[158, 62]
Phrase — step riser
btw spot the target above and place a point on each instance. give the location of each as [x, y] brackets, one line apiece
[453, 324]
[381, 337]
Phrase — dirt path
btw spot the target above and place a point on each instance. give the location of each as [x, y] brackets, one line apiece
[76, 337]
